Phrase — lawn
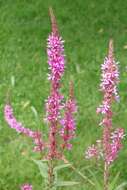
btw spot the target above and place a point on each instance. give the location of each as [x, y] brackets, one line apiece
[86, 27]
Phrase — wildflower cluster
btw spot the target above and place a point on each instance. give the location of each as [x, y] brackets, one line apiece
[111, 143]
[91, 152]
[60, 114]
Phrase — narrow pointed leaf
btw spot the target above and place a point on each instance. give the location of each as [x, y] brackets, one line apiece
[34, 112]
[112, 185]
[61, 167]
[43, 167]
[98, 186]
[122, 186]
[66, 183]
[12, 81]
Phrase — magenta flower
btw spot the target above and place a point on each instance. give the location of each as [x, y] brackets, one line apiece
[55, 52]
[26, 187]
[68, 122]
[116, 144]
[109, 81]
[56, 60]
[92, 152]
[13, 123]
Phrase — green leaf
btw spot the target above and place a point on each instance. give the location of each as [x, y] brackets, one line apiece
[34, 112]
[26, 104]
[112, 185]
[98, 185]
[56, 169]
[13, 81]
[121, 186]
[53, 188]
[43, 167]
[66, 183]
[61, 167]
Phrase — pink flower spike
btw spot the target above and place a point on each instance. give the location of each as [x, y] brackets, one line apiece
[56, 62]
[26, 187]
[13, 123]
[109, 81]
[116, 144]
[111, 142]
[68, 122]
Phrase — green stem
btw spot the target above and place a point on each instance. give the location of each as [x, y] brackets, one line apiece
[78, 172]
[106, 176]
[50, 175]
[84, 177]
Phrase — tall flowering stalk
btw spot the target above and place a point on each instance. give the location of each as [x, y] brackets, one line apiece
[111, 139]
[56, 61]
[61, 129]
[54, 105]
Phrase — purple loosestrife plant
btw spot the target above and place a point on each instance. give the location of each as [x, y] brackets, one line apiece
[110, 144]
[61, 128]
[59, 138]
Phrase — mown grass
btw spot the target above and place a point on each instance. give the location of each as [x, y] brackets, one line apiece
[86, 27]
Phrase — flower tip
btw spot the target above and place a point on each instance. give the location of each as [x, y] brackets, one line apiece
[8, 97]
[71, 90]
[53, 22]
[110, 53]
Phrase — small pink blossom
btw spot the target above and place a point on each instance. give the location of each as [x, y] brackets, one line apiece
[91, 152]
[26, 187]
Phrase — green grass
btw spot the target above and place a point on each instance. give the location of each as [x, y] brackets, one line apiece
[86, 27]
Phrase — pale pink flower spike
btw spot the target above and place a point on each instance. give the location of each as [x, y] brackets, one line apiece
[26, 187]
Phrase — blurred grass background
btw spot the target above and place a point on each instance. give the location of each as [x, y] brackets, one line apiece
[86, 27]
